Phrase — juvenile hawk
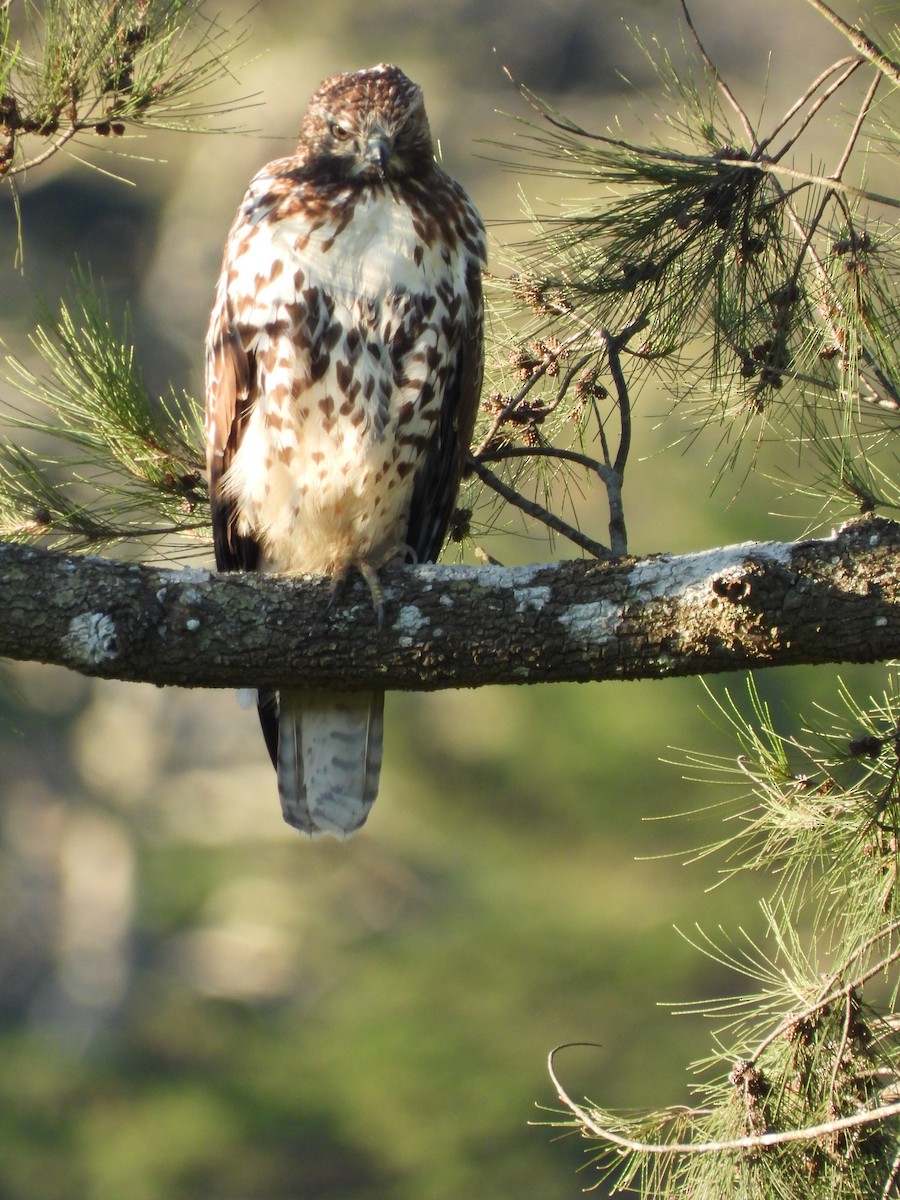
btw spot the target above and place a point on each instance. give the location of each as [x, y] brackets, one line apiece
[344, 364]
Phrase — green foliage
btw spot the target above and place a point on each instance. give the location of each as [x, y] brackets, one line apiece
[111, 462]
[765, 298]
[799, 1096]
[82, 67]
[100, 461]
[762, 298]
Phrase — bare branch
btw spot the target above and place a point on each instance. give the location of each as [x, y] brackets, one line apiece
[813, 109]
[501, 453]
[47, 153]
[539, 512]
[866, 105]
[614, 346]
[806, 97]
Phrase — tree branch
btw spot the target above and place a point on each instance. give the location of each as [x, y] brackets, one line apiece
[539, 512]
[863, 43]
[754, 605]
[752, 1141]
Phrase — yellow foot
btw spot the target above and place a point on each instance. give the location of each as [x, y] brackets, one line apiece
[370, 575]
[336, 591]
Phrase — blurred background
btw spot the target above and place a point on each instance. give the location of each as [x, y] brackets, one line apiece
[193, 1001]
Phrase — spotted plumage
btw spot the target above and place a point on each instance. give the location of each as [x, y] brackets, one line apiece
[344, 363]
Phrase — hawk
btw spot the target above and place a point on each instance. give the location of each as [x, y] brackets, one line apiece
[344, 367]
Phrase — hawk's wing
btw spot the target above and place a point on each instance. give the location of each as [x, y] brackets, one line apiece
[437, 481]
[230, 374]
[230, 381]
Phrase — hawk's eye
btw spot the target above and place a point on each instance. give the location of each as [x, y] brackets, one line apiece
[339, 132]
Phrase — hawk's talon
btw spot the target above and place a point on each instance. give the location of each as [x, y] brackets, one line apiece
[370, 575]
[336, 591]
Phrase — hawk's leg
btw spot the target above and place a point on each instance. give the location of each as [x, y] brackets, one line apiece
[370, 575]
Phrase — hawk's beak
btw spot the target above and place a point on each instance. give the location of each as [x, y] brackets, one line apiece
[378, 151]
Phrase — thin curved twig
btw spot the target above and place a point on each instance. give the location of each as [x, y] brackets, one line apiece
[501, 453]
[857, 127]
[815, 108]
[749, 1142]
[614, 346]
[52, 148]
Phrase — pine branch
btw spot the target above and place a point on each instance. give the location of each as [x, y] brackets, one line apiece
[94, 459]
[794, 294]
[91, 71]
[755, 1141]
[861, 41]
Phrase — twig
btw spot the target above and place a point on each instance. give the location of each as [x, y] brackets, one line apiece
[857, 126]
[533, 509]
[892, 1178]
[725, 89]
[614, 346]
[842, 1045]
[500, 453]
[804, 99]
[816, 107]
[52, 149]
[860, 40]
[770, 167]
[610, 479]
[614, 476]
[750, 1142]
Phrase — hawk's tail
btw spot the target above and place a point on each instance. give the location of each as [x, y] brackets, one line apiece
[328, 758]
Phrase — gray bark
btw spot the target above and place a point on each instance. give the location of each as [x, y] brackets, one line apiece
[754, 605]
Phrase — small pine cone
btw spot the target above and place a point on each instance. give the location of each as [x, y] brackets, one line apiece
[524, 362]
[867, 746]
[460, 524]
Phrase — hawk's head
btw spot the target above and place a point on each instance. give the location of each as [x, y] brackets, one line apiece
[367, 125]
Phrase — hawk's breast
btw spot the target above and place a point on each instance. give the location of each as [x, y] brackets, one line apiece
[353, 321]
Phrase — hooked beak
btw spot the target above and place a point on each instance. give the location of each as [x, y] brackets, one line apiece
[378, 151]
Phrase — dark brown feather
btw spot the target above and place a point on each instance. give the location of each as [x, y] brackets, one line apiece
[232, 371]
[437, 482]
